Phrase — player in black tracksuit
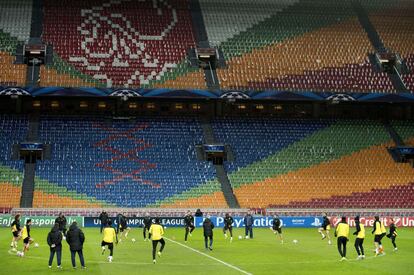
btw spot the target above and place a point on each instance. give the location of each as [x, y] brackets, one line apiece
[277, 227]
[208, 233]
[61, 221]
[104, 218]
[393, 234]
[325, 228]
[122, 226]
[146, 227]
[228, 225]
[189, 225]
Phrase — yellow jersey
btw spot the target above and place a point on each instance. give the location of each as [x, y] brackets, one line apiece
[383, 230]
[25, 232]
[156, 231]
[109, 235]
[379, 228]
[342, 230]
[361, 233]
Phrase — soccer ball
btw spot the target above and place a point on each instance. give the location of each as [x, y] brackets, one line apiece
[36, 245]
[240, 237]
[247, 237]
[133, 240]
[19, 254]
[295, 241]
[165, 228]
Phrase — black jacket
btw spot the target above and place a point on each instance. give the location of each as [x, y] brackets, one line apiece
[208, 227]
[103, 217]
[276, 223]
[75, 238]
[189, 220]
[326, 221]
[62, 222]
[228, 221]
[357, 227]
[55, 238]
[147, 222]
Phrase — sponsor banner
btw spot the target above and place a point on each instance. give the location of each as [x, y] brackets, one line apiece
[38, 221]
[266, 221]
[136, 222]
[306, 221]
[369, 221]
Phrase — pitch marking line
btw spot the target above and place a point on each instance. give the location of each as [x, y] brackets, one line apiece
[210, 257]
[114, 262]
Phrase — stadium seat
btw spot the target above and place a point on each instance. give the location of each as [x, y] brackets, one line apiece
[132, 51]
[129, 164]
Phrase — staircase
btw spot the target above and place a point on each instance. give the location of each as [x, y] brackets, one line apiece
[226, 187]
[221, 174]
[201, 38]
[393, 134]
[378, 44]
[26, 199]
[33, 70]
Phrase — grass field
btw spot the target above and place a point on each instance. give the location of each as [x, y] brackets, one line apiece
[262, 255]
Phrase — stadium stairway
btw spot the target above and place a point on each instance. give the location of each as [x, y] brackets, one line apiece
[28, 184]
[221, 174]
[377, 43]
[201, 38]
[33, 70]
[393, 134]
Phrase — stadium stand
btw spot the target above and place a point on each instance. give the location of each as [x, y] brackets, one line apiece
[276, 134]
[345, 157]
[13, 130]
[15, 20]
[129, 164]
[401, 196]
[101, 43]
[397, 34]
[304, 45]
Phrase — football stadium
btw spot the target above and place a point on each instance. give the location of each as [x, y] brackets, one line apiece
[206, 136]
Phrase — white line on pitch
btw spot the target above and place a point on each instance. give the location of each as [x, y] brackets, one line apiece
[112, 263]
[211, 257]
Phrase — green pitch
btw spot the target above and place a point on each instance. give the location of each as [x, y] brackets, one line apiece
[262, 255]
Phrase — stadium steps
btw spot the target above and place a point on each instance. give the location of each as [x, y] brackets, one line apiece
[36, 29]
[226, 188]
[393, 134]
[28, 185]
[377, 43]
[200, 33]
[369, 28]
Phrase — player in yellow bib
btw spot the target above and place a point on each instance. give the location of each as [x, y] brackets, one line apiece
[360, 236]
[342, 233]
[16, 232]
[157, 232]
[27, 240]
[109, 237]
[379, 232]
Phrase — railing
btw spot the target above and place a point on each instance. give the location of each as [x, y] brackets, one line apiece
[130, 212]
[140, 212]
[401, 212]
